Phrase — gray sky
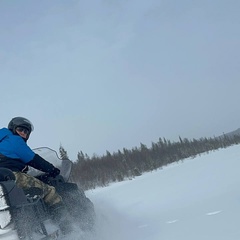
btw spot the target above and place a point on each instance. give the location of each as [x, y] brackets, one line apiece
[103, 75]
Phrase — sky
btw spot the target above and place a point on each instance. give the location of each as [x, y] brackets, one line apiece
[106, 75]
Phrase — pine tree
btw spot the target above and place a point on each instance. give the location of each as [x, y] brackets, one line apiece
[63, 153]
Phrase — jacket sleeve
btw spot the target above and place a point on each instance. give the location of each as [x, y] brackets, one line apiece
[41, 164]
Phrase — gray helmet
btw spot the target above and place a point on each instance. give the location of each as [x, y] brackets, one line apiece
[20, 122]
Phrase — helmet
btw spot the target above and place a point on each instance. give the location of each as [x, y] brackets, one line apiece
[20, 122]
[6, 174]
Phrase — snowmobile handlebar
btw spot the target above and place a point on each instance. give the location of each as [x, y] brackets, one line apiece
[47, 178]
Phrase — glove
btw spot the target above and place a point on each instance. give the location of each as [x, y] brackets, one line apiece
[55, 172]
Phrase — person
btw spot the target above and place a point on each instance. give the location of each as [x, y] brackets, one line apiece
[16, 155]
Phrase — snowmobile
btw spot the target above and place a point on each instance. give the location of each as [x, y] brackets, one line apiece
[24, 215]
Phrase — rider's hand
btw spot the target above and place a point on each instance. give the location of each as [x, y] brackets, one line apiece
[55, 172]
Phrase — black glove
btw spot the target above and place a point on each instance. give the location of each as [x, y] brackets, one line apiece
[55, 172]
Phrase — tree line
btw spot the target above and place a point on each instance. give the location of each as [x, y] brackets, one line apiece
[97, 171]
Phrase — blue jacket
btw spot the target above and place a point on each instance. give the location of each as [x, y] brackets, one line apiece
[14, 152]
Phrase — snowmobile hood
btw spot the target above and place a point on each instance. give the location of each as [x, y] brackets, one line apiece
[4, 132]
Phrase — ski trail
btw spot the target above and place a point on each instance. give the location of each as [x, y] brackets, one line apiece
[213, 213]
[172, 221]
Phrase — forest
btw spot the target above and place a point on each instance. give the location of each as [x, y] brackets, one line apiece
[99, 171]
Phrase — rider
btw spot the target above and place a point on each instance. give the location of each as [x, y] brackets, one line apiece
[16, 155]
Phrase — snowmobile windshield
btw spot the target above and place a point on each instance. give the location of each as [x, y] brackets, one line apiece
[51, 156]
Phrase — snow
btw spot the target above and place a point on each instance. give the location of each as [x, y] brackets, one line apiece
[194, 199]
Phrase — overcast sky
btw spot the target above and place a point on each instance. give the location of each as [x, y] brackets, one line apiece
[107, 74]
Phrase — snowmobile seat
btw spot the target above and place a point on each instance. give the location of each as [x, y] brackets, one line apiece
[13, 195]
[6, 175]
